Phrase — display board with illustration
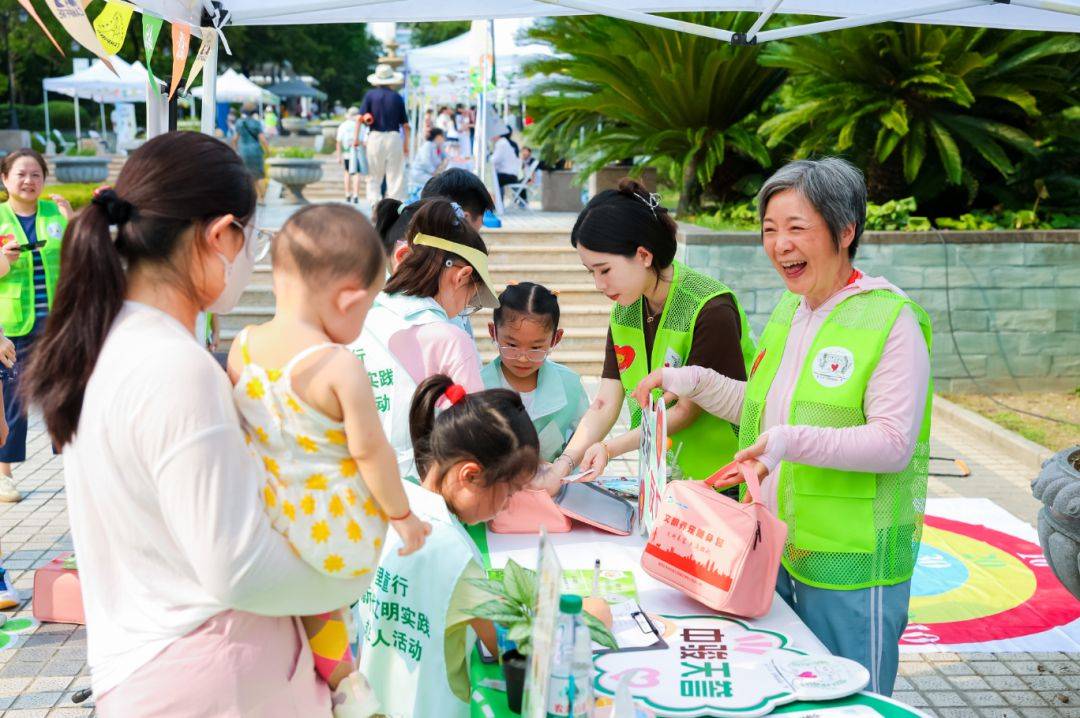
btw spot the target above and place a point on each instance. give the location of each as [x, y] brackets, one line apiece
[652, 462]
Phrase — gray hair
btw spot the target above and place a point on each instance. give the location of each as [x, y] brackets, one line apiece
[834, 187]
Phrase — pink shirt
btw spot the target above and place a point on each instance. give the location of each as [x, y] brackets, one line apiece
[439, 348]
[894, 404]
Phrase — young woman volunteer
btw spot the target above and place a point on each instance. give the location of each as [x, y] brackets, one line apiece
[665, 314]
[409, 335]
[836, 414]
[473, 454]
[188, 597]
[31, 230]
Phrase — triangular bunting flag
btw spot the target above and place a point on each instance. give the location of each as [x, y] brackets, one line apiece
[181, 45]
[33, 13]
[151, 28]
[209, 41]
[112, 24]
[71, 15]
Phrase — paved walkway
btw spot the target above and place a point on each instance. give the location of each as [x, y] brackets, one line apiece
[39, 677]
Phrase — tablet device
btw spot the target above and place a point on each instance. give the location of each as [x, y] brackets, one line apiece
[596, 506]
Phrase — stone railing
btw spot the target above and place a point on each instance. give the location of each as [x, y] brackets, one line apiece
[1010, 318]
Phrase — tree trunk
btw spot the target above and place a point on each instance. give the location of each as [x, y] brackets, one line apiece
[690, 188]
[886, 181]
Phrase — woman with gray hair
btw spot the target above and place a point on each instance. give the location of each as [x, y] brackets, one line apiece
[835, 417]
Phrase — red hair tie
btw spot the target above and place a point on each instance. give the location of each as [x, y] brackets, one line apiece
[455, 393]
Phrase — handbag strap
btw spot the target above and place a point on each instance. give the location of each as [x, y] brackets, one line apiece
[753, 485]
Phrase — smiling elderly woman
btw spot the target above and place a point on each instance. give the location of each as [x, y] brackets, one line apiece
[835, 415]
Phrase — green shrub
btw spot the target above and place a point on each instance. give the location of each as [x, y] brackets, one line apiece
[78, 194]
[293, 153]
[76, 151]
[61, 116]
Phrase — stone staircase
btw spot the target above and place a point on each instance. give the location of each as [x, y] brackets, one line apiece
[529, 247]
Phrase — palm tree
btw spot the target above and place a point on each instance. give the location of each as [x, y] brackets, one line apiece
[619, 90]
[918, 104]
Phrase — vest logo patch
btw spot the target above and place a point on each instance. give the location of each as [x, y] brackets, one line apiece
[672, 360]
[625, 355]
[54, 230]
[833, 366]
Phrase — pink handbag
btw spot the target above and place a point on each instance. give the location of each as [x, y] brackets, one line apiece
[716, 550]
[57, 594]
[527, 512]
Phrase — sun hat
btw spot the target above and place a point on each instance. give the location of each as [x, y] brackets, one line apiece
[476, 259]
[385, 75]
[352, 111]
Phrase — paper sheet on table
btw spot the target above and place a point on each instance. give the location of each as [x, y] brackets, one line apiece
[630, 626]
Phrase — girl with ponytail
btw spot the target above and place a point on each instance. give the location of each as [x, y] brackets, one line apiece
[473, 452]
[182, 573]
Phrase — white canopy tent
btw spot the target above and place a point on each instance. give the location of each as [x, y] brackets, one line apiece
[235, 87]
[100, 84]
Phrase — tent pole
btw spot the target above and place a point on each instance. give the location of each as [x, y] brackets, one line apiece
[48, 127]
[78, 125]
[647, 19]
[101, 107]
[209, 96]
[861, 20]
[240, 17]
[762, 19]
[1049, 5]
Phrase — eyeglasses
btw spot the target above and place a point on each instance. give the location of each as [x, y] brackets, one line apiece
[536, 356]
[257, 240]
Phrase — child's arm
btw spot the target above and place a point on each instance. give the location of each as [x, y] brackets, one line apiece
[374, 456]
[234, 364]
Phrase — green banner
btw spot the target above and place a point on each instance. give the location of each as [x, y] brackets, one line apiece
[151, 28]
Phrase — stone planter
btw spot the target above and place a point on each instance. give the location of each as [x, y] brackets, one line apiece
[297, 125]
[329, 129]
[1058, 488]
[295, 174]
[609, 177]
[559, 193]
[82, 169]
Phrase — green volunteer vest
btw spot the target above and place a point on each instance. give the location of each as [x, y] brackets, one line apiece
[710, 442]
[846, 529]
[17, 287]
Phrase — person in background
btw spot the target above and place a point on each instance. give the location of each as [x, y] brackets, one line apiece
[526, 330]
[429, 160]
[505, 160]
[250, 143]
[388, 141]
[835, 417]
[31, 237]
[270, 121]
[349, 148]
[409, 335]
[445, 122]
[664, 314]
[429, 121]
[463, 123]
[193, 588]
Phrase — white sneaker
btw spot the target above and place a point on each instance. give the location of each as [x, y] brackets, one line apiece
[354, 698]
[9, 598]
[8, 492]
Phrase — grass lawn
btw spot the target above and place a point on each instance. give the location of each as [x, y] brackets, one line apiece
[1053, 435]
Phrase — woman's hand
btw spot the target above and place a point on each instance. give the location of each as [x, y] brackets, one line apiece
[7, 353]
[10, 248]
[3, 430]
[750, 454]
[654, 380]
[596, 459]
[64, 205]
[549, 477]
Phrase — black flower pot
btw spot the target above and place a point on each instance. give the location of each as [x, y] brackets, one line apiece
[514, 666]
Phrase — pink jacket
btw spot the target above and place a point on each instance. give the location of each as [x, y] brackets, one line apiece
[894, 404]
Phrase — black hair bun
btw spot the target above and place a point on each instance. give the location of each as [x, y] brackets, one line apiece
[117, 210]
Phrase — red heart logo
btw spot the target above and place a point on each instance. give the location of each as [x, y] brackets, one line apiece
[834, 366]
[625, 355]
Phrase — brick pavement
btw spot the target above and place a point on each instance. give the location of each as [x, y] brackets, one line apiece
[39, 677]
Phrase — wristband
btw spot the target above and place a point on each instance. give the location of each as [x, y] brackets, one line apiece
[569, 458]
[607, 452]
[407, 514]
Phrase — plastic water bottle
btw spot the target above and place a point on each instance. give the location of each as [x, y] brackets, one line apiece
[569, 690]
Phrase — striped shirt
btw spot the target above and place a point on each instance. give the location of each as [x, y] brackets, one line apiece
[41, 292]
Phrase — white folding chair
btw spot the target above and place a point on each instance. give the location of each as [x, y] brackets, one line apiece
[518, 190]
[60, 141]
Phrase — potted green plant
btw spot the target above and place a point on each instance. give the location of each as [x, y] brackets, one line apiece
[81, 164]
[295, 167]
[514, 607]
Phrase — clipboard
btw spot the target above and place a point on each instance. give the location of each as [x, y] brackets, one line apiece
[626, 615]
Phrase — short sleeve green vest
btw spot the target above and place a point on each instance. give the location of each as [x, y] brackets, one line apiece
[17, 287]
[710, 442]
[846, 529]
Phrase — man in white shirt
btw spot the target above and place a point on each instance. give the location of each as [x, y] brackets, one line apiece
[505, 161]
[350, 150]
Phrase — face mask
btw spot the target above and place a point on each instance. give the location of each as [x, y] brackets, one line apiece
[237, 274]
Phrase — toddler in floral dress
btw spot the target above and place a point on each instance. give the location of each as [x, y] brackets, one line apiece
[331, 477]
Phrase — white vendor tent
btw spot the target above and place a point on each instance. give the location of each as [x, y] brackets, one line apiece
[235, 87]
[98, 83]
